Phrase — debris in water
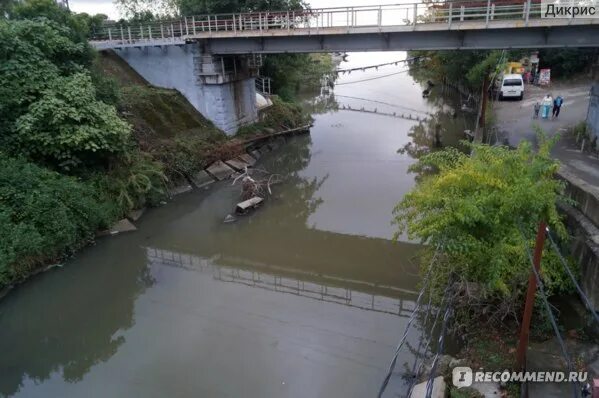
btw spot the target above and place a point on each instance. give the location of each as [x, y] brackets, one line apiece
[246, 205]
[229, 219]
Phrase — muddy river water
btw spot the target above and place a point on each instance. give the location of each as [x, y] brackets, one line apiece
[306, 297]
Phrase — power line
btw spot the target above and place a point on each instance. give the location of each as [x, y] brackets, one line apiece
[550, 312]
[363, 68]
[407, 329]
[416, 371]
[372, 78]
[583, 296]
[384, 103]
[429, 383]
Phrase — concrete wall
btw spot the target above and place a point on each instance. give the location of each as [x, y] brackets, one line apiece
[582, 222]
[228, 105]
[593, 113]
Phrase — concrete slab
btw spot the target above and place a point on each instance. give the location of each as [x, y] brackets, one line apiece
[256, 154]
[121, 226]
[274, 145]
[439, 389]
[264, 150]
[237, 164]
[135, 215]
[220, 170]
[247, 158]
[201, 179]
[487, 390]
[180, 189]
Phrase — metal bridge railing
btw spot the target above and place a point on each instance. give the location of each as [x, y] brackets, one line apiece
[315, 20]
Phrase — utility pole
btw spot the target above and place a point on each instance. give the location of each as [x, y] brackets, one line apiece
[530, 297]
[483, 109]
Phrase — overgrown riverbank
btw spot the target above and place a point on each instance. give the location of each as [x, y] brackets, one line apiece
[85, 139]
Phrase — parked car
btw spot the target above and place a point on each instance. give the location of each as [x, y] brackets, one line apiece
[512, 86]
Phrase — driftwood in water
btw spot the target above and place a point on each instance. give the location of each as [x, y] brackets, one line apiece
[246, 205]
[255, 186]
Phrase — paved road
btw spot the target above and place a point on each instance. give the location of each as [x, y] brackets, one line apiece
[515, 123]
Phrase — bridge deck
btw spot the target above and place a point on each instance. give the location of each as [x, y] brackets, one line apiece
[467, 26]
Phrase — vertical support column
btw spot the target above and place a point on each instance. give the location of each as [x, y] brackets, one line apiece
[288, 22]
[487, 13]
[462, 9]
[122, 35]
[110, 34]
[129, 33]
[150, 32]
[415, 15]
[527, 14]
[186, 27]
[380, 16]
[492, 11]
[161, 31]
[141, 32]
[450, 17]
[193, 21]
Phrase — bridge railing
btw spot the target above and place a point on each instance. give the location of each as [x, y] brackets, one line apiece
[315, 20]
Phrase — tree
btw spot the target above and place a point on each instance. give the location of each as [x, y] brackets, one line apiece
[49, 109]
[67, 127]
[134, 8]
[476, 208]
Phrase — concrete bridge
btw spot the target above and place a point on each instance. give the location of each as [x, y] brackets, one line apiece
[211, 59]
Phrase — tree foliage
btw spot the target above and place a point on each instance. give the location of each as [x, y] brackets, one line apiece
[476, 208]
[49, 109]
[66, 126]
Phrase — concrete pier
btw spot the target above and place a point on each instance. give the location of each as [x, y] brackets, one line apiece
[222, 88]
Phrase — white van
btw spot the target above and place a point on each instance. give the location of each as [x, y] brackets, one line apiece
[512, 86]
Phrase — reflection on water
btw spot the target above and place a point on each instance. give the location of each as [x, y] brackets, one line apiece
[306, 284]
[307, 296]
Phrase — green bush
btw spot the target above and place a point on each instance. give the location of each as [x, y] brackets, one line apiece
[43, 215]
[66, 126]
[134, 181]
[477, 207]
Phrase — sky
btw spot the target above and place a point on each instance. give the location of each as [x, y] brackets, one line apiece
[107, 6]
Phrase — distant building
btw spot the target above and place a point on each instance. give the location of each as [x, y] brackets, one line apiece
[593, 114]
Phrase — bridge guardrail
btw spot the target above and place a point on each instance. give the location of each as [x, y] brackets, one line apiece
[315, 20]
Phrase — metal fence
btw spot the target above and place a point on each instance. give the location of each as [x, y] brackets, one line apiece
[315, 20]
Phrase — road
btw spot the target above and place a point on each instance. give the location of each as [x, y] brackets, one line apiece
[515, 123]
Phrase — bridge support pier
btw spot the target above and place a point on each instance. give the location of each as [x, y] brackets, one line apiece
[222, 88]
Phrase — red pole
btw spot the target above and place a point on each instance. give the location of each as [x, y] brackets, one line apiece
[530, 297]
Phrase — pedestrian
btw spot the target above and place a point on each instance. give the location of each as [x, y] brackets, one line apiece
[537, 108]
[546, 105]
[557, 105]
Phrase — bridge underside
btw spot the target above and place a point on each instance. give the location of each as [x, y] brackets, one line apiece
[531, 37]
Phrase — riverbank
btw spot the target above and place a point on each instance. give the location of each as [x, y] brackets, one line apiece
[171, 145]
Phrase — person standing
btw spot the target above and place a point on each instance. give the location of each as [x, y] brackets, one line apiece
[546, 105]
[557, 105]
[536, 109]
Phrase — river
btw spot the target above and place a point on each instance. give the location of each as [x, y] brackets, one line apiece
[306, 297]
